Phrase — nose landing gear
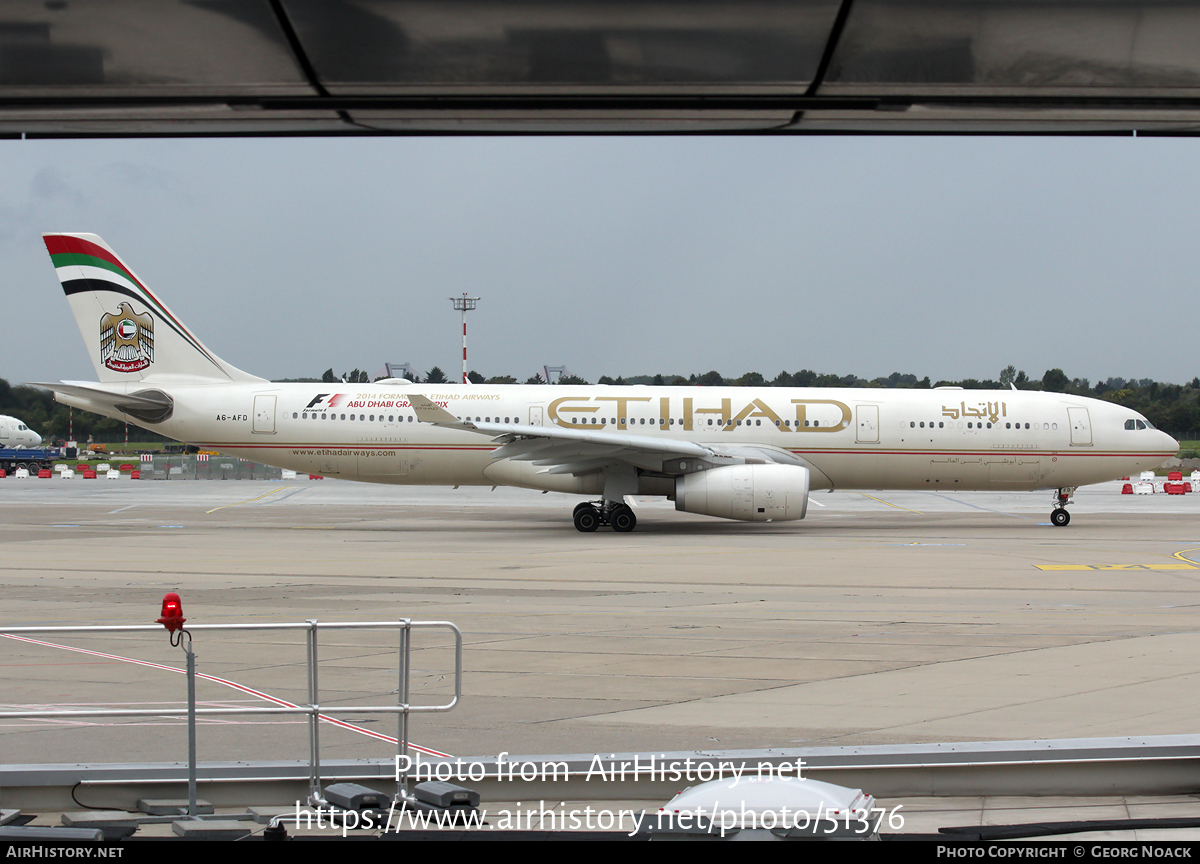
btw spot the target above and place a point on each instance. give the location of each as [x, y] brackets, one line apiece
[589, 516]
[1062, 497]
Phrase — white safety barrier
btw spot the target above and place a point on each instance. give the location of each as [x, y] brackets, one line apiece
[21, 472]
[311, 707]
[113, 474]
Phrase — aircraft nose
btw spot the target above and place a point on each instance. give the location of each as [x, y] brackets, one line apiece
[1169, 443]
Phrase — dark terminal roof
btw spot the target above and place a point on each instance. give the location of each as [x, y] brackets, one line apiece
[313, 67]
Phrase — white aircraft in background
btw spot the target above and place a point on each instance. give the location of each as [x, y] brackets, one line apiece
[15, 435]
[748, 453]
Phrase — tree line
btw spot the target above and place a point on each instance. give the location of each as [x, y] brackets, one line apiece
[1174, 408]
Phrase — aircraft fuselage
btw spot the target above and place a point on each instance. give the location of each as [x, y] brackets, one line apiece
[849, 438]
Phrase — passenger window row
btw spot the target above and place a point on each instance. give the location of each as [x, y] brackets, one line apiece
[313, 415]
[913, 424]
[575, 421]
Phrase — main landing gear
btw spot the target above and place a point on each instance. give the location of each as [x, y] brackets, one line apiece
[1062, 497]
[589, 516]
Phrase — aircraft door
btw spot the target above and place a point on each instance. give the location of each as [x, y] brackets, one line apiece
[264, 415]
[1081, 427]
[868, 424]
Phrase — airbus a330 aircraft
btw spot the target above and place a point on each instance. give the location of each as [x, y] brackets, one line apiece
[749, 453]
[16, 435]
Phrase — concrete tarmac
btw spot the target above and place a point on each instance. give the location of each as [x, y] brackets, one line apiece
[882, 618]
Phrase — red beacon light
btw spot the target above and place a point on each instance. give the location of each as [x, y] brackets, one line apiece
[172, 613]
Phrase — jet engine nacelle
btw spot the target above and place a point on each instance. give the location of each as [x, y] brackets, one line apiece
[752, 493]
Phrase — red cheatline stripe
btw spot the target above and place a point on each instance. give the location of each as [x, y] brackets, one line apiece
[864, 452]
[231, 444]
[236, 686]
[859, 452]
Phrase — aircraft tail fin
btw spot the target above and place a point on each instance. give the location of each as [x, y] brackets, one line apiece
[131, 334]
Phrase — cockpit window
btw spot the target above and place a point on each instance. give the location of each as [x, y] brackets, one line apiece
[1129, 424]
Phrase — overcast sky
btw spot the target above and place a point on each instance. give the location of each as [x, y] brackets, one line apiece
[947, 257]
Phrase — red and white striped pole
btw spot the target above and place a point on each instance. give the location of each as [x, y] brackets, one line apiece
[464, 304]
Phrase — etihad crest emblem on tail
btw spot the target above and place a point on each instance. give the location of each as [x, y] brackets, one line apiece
[126, 339]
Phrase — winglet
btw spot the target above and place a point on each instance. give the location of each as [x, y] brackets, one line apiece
[428, 411]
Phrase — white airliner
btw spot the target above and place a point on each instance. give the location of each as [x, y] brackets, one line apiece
[749, 453]
[16, 435]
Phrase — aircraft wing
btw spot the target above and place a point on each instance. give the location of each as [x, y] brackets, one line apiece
[558, 450]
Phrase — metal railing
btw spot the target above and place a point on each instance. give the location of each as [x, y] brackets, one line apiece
[211, 468]
[312, 709]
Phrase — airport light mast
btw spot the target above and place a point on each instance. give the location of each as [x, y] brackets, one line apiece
[464, 304]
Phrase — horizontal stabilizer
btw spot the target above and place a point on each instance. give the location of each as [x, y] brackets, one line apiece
[151, 406]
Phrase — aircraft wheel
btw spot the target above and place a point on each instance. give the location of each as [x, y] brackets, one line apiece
[1060, 517]
[586, 518]
[623, 520]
